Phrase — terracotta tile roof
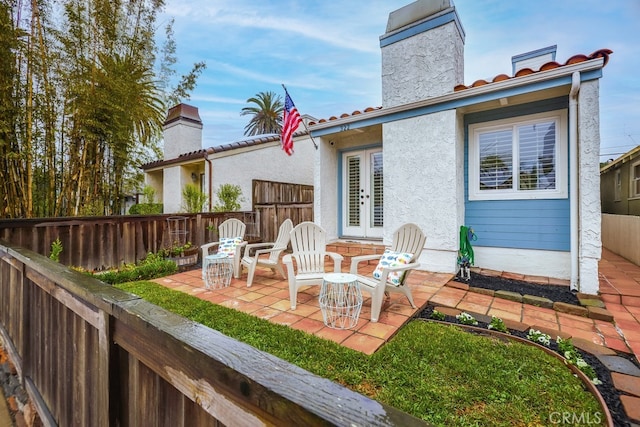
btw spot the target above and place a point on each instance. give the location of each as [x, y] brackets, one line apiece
[198, 154]
[186, 110]
[602, 53]
[342, 116]
[201, 154]
[246, 143]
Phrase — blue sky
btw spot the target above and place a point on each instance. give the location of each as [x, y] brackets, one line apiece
[327, 53]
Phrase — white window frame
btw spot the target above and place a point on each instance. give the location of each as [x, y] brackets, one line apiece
[617, 186]
[560, 192]
[633, 180]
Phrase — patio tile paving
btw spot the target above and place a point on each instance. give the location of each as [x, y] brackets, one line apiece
[504, 314]
[268, 298]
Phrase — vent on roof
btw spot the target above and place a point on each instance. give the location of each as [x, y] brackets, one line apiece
[534, 59]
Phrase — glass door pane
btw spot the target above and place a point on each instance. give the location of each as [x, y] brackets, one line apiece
[375, 190]
[353, 191]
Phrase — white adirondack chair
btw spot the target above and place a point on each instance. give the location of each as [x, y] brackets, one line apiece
[229, 230]
[408, 239]
[272, 249]
[308, 242]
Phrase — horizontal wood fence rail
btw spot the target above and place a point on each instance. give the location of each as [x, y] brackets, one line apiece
[89, 354]
[97, 243]
[620, 235]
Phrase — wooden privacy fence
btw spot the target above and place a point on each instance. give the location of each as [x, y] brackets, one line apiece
[276, 201]
[91, 355]
[620, 235]
[96, 243]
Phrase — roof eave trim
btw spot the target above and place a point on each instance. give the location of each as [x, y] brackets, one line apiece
[621, 160]
[319, 129]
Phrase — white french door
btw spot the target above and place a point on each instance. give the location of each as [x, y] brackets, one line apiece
[362, 200]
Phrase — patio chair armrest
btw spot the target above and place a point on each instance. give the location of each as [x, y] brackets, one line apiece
[337, 261]
[358, 259]
[404, 267]
[252, 246]
[257, 252]
[264, 251]
[205, 248]
[287, 260]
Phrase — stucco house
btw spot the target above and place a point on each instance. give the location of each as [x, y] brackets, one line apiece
[515, 157]
[238, 163]
[620, 184]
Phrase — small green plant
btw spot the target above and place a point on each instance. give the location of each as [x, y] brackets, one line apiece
[437, 315]
[497, 324]
[230, 197]
[539, 337]
[149, 194]
[154, 265]
[572, 356]
[176, 250]
[193, 199]
[466, 319]
[56, 250]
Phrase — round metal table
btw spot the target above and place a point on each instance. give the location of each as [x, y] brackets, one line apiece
[340, 300]
[217, 270]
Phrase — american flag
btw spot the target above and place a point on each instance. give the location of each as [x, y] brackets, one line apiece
[290, 121]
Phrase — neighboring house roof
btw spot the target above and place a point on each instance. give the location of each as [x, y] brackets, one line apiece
[629, 155]
[259, 140]
[193, 155]
[201, 154]
[601, 53]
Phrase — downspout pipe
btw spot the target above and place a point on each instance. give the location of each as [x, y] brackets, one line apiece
[574, 176]
[210, 174]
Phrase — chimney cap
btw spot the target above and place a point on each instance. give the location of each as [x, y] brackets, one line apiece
[184, 112]
[415, 12]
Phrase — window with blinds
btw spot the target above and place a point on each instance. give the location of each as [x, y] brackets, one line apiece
[353, 192]
[537, 147]
[635, 180]
[496, 160]
[617, 190]
[518, 158]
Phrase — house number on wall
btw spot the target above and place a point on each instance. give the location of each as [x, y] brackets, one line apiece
[344, 127]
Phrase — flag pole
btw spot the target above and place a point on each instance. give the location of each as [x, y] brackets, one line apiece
[303, 122]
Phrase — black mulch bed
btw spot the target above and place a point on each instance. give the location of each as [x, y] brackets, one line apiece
[553, 292]
[609, 393]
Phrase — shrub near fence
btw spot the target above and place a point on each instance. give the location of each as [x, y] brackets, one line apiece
[97, 243]
[89, 354]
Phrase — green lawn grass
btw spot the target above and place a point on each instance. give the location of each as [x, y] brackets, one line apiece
[438, 373]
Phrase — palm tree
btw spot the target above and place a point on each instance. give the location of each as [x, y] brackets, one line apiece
[266, 114]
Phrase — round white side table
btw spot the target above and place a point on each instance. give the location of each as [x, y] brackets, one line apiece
[340, 300]
[217, 270]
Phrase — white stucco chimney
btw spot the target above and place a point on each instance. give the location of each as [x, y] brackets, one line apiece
[182, 131]
[422, 52]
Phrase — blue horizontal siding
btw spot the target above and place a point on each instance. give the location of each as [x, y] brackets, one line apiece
[542, 224]
[522, 224]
